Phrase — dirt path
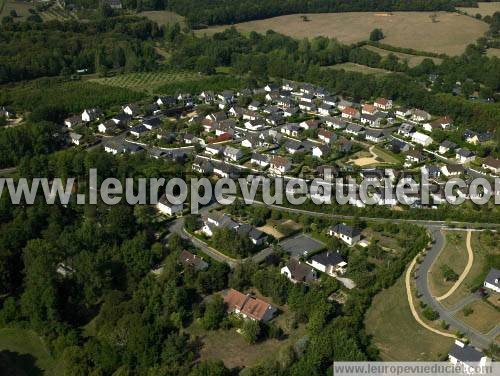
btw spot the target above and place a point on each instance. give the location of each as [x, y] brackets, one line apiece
[412, 307]
[468, 267]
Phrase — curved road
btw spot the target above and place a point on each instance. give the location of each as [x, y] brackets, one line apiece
[478, 339]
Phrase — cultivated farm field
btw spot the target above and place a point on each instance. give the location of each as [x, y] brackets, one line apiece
[146, 81]
[438, 32]
[162, 17]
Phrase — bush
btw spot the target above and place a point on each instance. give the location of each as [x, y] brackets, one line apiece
[448, 273]
[430, 314]
[467, 311]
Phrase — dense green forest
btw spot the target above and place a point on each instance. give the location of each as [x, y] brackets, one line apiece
[65, 47]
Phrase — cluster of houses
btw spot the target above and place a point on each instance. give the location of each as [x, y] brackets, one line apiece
[219, 220]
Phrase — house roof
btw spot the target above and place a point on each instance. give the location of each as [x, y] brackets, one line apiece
[493, 277]
[260, 157]
[448, 144]
[464, 152]
[492, 162]
[382, 101]
[355, 128]
[298, 270]
[189, 259]
[342, 228]
[250, 306]
[328, 258]
[280, 161]
[465, 353]
[350, 111]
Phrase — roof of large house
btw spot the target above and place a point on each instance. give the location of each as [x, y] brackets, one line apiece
[350, 111]
[465, 353]
[493, 277]
[492, 162]
[189, 259]
[250, 306]
[464, 152]
[328, 258]
[342, 228]
[298, 270]
[280, 161]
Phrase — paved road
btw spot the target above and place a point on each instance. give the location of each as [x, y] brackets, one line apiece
[478, 339]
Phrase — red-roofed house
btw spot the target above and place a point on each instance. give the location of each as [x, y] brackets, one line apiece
[248, 306]
[350, 113]
[383, 104]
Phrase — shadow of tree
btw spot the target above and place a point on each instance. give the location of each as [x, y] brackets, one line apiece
[15, 364]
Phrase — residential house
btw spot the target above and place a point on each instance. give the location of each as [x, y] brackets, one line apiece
[256, 236]
[329, 100]
[290, 111]
[107, 127]
[464, 155]
[73, 121]
[406, 129]
[307, 98]
[422, 139]
[452, 170]
[447, 146]
[343, 104]
[217, 116]
[7, 112]
[152, 122]
[307, 106]
[355, 129]
[420, 115]
[291, 129]
[207, 96]
[328, 262]
[349, 235]
[248, 306]
[476, 138]
[324, 109]
[75, 138]
[414, 156]
[166, 101]
[375, 135]
[255, 125]
[368, 109]
[214, 150]
[121, 119]
[225, 171]
[202, 166]
[254, 106]
[350, 113]
[403, 112]
[232, 153]
[298, 272]
[492, 164]
[321, 151]
[271, 88]
[310, 124]
[467, 357]
[326, 136]
[328, 172]
[138, 130]
[250, 141]
[164, 206]
[260, 160]
[335, 123]
[398, 146]
[432, 172]
[444, 122]
[279, 165]
[132, 110]
[91, 114]
[383, 104]
[293, 147]
[372, 120]
[190, 260]
[492, 280]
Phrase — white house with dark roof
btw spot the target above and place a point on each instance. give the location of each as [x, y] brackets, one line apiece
[298, 272]
[492, 280]
[349, 235]
[468, 357]
[328, 262]
[446, 146]
[422, 139]
[464, 155]
[164, 206]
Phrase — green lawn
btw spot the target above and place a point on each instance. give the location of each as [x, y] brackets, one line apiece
[455, 256]
[146, 81]
[484, 246]
[483, 318]
[23, 352]
[358, 68]
[396, 333]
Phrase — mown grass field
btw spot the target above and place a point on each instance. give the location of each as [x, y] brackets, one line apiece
[163, 17]
[23, 351]
[455, 256]
[448, 33]
[483, 318]
[483, 245]
[146, 81]
[389, 321]
[21, 8]
[358, 68]
[413, 60]
[484, 9]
